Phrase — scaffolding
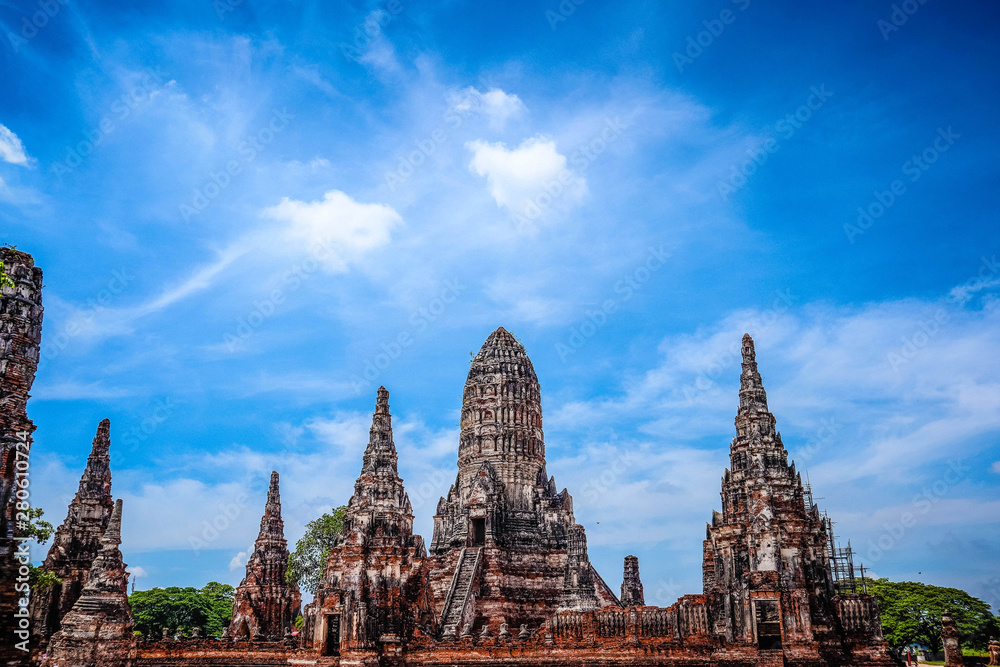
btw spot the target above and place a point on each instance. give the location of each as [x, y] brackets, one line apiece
[841, 562]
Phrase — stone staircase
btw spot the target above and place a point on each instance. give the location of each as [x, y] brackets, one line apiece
[461, 590]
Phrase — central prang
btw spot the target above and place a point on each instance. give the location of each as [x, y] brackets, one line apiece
[502, 495]
[503, 516]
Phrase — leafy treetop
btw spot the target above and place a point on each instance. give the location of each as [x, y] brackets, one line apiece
[306, 563]
[911, 613]
[209, 608]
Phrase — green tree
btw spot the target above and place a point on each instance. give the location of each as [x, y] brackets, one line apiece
[208, 608]
[221, 597]
[40, 530]
[306, 563]
[912, 611]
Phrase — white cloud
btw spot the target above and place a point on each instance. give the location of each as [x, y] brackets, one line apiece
[371, 47]
[530, 180]
[337, 230]
[18, 195]
[239, 561]
[201, 279]
[137, 572]
[528, 298]
[995, 467]
[190, 514]
[496, 105]
[963, 293]
[11, 148]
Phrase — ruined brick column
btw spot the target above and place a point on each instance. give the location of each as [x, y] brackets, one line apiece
[952, 647]
[372, 595]
[265, 604]
[76, 542]
[631, 585]
[994, 652]
[20, 337]
[98, 630]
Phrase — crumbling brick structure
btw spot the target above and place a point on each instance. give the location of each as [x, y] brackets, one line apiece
[76, 543]
[506, 553]
[265, 605]
[372, 593]
[20, 338]
[98, 630]
[631, 584]
[766, 570]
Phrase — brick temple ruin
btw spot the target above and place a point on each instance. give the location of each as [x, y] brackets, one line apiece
[506, 578]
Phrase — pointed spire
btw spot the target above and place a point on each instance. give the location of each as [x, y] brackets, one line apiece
[102, 440]
[273, 494]
[749, 354]
[264, 601]
[380, 455]
[382, 401]
[752, 395]
[112, 537]
[378, 487]
[80, 538]
[272, 528]
[96, 479]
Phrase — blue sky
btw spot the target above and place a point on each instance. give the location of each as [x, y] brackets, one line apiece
[250, 215]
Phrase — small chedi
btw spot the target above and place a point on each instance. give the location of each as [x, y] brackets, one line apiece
[506, 577]
[631, 585]
[264, 604]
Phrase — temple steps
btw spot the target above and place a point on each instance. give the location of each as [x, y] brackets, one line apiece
[461, 589]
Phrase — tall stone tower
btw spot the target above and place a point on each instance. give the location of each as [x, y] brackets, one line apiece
[77, 541]
[98, 630]
[20, 337]
[264, 604]
[765, 554]
[506, 546]
[372, 594]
